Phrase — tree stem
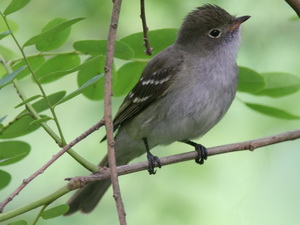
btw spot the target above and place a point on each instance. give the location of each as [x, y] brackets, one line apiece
[108, 110]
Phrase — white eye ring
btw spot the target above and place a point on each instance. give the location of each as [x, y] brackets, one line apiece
[214, 33]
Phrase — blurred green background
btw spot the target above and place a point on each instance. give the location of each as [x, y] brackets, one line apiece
[260, 187]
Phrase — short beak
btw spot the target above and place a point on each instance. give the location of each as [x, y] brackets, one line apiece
[237, 22]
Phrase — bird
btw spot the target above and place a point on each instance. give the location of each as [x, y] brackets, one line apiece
[182, 93]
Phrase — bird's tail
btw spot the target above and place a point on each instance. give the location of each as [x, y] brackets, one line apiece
[87, 198]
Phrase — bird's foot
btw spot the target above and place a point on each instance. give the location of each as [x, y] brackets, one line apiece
[202, 153]
[152, 160]
[200, 149]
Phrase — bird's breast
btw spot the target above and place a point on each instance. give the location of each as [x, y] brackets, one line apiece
[195, 103]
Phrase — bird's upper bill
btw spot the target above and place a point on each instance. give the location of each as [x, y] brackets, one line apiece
[237, 22]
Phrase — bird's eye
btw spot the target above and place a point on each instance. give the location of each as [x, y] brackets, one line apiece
[214, 33]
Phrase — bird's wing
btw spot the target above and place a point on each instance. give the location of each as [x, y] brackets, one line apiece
[156, 78]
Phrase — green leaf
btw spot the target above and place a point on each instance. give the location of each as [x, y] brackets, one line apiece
[51, 32]
[250, 81]
[42, 120]
[18, 128]
[95, 91]
[274, 112]
[13, 151]
[19, 222]
[279, 84]
[10, 77]
[98, 47]
[80, 90]
[34, 62]
[42, 104]
[55, 64]
[55, 75]
[15, 5]
[127, 76]
[55, 212]
[28, 100]
[53, 41]
[159, 40]
[4, 34]
[4, 179]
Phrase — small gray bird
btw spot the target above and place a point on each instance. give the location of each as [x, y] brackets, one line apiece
[182, 93]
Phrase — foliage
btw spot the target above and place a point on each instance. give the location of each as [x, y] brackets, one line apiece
[86, 59]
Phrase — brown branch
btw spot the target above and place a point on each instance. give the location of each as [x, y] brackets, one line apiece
[135, 167]
[148, 50]
[295, 4]
[50, 162]
[108, 110]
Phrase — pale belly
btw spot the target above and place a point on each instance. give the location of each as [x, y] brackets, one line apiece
[176, 118]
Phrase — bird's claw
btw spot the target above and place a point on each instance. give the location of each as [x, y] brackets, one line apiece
[202, 154]
[152, 160]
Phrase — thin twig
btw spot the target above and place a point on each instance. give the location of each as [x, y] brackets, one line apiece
[148, 50]
[45, 166]
[295, 4]
[40, 214]
[108, 110]
[135, 167]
